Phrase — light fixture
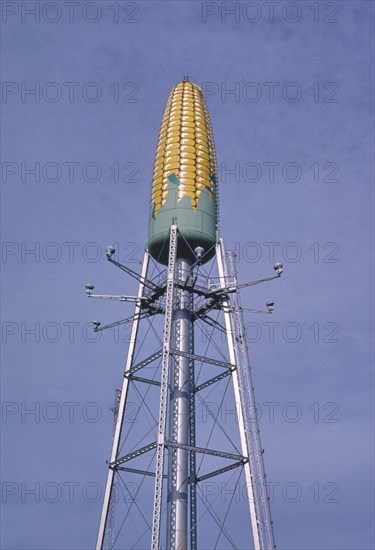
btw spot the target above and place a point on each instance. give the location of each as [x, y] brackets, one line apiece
[270, 305]
[89, 288]
[278, 267]
[96, 325]
[110, 250]
[199, 251]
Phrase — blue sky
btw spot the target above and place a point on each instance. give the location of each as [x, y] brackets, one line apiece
[316, 131]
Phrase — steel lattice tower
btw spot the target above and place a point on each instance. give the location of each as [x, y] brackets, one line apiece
[184, 236]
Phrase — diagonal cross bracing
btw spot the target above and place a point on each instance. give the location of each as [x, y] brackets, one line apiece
[202, 359]
[203, 450]
[144, 363]
[220, 471]
[132, 455]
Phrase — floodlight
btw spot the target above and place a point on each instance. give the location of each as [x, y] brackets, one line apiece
[278, 267]
[89, 288]
[199, 251]
[110, 250]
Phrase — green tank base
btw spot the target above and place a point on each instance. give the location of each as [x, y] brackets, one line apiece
[196, 226]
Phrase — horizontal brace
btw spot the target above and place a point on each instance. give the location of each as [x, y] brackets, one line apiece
[212, 323]
[145, 380]
[200, 290]
[135, 471]
[234, 288]
[156, 294]
[144, 363]
[220, 471]
[202, 450]
[153, 310]
[203, 359]
[208, 306]
[222, 292]
[197, 479]
[214, 379]
[132, 455]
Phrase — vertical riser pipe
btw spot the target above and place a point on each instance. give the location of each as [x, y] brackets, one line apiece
[179, 416]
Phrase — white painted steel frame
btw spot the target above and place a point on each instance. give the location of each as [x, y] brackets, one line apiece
[121, 409]
[243, 392]
[166, 357]
[259, 508]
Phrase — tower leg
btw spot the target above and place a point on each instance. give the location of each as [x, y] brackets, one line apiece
[257, 495]
[237, 394]
[121, 411]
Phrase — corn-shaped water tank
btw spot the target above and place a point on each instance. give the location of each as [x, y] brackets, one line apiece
[184, 184]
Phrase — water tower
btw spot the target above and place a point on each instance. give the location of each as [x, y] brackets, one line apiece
[187, 280]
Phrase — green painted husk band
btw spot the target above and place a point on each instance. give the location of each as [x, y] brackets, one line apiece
[196, 226]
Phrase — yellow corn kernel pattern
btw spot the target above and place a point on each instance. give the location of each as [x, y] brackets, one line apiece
[185, 147]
